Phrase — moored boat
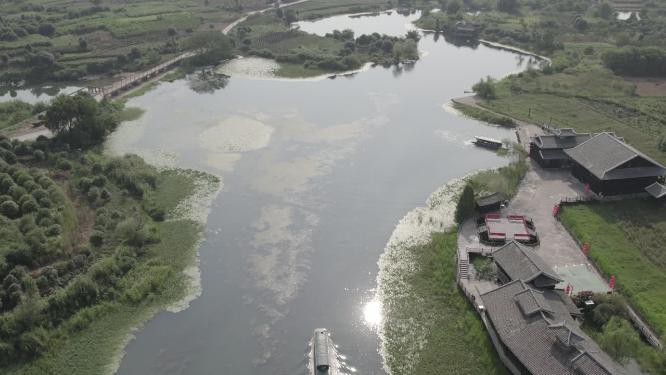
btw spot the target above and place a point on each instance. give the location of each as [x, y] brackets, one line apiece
[488, 142]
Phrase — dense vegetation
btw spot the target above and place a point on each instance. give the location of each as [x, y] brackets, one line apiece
[456, 341]
[86, 241]
[608, 324]
[642, 62]
[269, 35]
[15, 111]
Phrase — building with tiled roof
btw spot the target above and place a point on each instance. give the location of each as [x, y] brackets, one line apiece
[516, 262]
[548, 149]
[537, 335]
[611, 167]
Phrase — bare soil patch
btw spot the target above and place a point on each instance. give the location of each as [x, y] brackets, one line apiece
[647, 86]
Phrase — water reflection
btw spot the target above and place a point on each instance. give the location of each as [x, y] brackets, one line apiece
[372, 313]
[316, 175]
[390, 23]
[35, 94]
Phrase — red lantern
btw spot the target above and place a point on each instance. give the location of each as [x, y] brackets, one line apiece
[611, 283]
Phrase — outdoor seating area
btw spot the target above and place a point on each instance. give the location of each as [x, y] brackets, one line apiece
[495, 230]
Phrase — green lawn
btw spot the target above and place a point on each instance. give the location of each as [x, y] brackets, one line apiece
[457, 342]
[628, 240]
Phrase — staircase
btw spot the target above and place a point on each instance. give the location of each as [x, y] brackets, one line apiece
[463, 269]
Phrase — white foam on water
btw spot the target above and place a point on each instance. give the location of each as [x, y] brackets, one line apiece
[396, 266]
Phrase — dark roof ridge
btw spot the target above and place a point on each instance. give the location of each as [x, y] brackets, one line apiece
[531, 259]
[632, 148]
[589, 354]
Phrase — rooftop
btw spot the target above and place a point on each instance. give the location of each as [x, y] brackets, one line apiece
[562, 139]
[608, 158]
[541, 334]
[521, 263]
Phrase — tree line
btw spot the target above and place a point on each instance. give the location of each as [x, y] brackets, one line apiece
[637, 61]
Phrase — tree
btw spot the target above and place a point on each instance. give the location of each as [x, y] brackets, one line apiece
[605, 11]
[172, 32]
[508, 6]
[80, 120]
[485, 88]
[453, 7]
[619, 339]
[215, 47]
[466, 204]
[46, 29]
[10, 209]
[83, 44]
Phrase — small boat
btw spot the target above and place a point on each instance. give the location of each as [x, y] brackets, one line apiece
[488, 142]
[321, 351]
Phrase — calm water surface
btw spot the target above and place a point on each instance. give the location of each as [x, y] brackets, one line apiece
[36, 94]
[316, 174]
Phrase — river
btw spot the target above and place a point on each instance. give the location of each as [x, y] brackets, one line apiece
[316, 174]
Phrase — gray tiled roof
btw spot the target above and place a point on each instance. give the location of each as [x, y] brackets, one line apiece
[566, 138]
[493, 198]
[603, 153]
[547, 342]
[520, 263]
[656, 190]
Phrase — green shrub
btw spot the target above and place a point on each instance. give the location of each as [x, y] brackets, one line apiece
[53, 230]
[10, 209]
[97, 238]
[84, 184]
[29, 206]
[99, 181]
[39, 155]
[65, 165]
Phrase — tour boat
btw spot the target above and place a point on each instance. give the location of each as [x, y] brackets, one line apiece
[488, 142]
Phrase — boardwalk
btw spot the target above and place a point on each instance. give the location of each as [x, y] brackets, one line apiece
[134, 80]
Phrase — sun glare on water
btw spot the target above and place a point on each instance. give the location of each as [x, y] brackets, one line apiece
[372, 313]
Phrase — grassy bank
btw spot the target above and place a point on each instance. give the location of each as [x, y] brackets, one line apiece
[483, 115]
[627, 240]
[505, 179]
[456, 341]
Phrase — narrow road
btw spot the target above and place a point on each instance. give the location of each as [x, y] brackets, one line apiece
[229, 27]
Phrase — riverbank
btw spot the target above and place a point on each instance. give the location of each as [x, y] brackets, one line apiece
[426, 316]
